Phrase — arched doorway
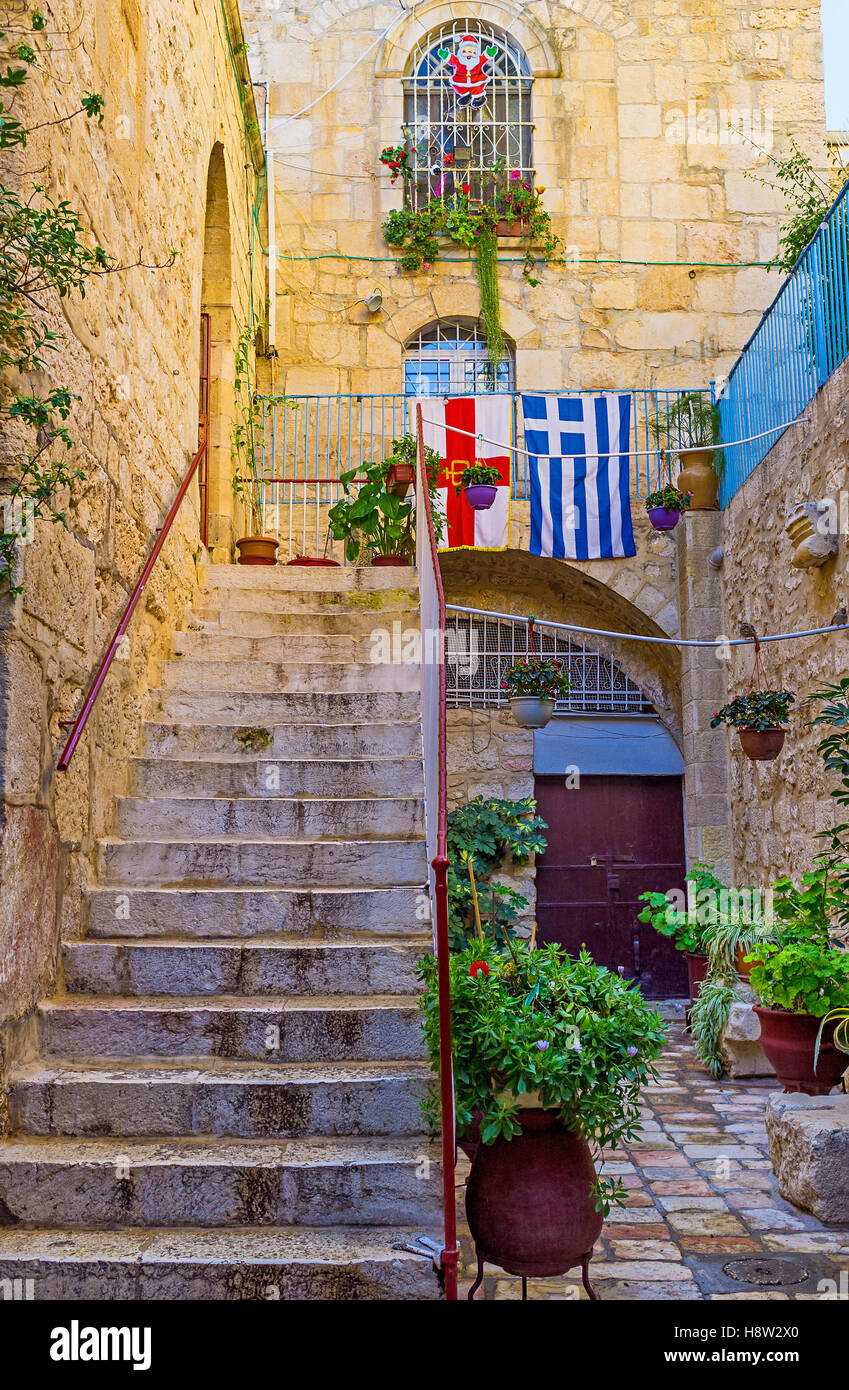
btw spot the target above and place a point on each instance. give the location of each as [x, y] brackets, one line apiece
[217, 305]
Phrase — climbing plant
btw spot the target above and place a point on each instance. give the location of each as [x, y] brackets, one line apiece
[45, 254]
[808, 195]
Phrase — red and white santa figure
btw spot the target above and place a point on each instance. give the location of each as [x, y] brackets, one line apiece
[471, 69]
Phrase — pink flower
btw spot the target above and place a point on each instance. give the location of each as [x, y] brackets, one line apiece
[515, 174]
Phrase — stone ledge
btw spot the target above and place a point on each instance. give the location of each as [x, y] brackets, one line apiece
[741, 1048]
[809, 1149]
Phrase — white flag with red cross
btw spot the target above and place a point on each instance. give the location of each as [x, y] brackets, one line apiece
[465, 430]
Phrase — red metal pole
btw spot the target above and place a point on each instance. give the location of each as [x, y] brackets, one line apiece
[450, 1253]
[103, 670]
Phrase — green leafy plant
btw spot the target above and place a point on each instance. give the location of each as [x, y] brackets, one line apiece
[539, 1021]
[540, 676]
[801, 977]
[808, 195]
[489, 832]
[370, 519]
[670, 498]
[759, 709]
[708, 1018]
[689, 927]
[478, 474]
[689, 422]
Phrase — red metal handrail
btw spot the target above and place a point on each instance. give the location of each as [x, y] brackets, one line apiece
[103, 670]
[450, 1253]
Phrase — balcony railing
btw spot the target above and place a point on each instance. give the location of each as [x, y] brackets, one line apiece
[310, 440]
[801, 339]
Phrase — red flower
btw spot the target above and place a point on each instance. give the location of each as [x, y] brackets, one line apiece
[477, 968]
[467, 188]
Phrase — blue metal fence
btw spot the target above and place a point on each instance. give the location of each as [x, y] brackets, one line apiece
[801, 339]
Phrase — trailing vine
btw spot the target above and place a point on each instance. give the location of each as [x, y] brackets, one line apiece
[44, 253]
[808, 196]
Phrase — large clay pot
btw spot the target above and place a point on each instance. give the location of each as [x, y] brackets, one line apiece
[402, 561]
[699, 478]
[529, 1202]
[530, 711]
[762, 745]
[257, 550]
[789, 1041]
[697, 968]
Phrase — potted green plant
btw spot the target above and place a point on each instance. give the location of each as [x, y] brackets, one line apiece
[534, 684]
[758, 716]
[690, 428]
[246, 442]
[372, 519]
[687, 926]
[478, 483]
[665, 506]
[549, 1057]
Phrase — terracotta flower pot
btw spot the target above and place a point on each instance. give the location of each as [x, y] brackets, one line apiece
[762, 745]
[662, 519]
[530, 711]
[514, 226]
[789, 1041]
[308, 560]
[399, 478]
[528, 1199]
[257, 550]
[698, 477]
[402, 561]
[697, 968]
[480, 496]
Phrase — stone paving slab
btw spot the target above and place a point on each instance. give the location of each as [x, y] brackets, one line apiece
[701, 1192]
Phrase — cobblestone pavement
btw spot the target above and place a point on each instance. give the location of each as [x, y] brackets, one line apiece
[701, 1194]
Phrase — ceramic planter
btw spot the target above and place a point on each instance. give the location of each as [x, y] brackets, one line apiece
[529, 1199]
[400, 478]
[698, 477]
[789, 1041]
[762, 745]
[401, 561]
[531, 711]
[309, 560]
[662, 519]
[511, 227]
[697, 967]
[257, 550]
[480, 496]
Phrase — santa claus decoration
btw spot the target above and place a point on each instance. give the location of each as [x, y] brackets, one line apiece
[471, 69]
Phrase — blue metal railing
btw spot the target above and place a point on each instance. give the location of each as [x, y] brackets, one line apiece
[801, 339]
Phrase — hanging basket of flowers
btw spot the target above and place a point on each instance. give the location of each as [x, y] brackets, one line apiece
[665, 507]
[534, 684]
[758, 716]
[478, 482]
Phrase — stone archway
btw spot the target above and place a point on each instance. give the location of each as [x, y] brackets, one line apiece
[217, 302]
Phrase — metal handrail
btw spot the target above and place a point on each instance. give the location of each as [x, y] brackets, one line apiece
[103, 670]
[439, 864]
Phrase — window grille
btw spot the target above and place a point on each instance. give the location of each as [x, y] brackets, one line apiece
[450, 358]
[460, 119]
[478, 651]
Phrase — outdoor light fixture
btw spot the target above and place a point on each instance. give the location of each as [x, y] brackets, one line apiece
[374, 301]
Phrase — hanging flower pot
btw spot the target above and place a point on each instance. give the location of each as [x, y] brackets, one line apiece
[257, 550]
[762, 745]
[665, 506]
[534, 684]
[478, 483]
[530, 711]
[480, 496]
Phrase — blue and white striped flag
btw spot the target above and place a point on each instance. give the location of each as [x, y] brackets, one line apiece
[579, 475]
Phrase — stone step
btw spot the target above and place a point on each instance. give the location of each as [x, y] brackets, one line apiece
[327, 1027]
[185, 968]
[208, 1183]
[237, 616]
[224, 1098]
[301, 677]
[355, 1264]
[267, 707]
[267, 776]
[301, 742]
[316, 648]
[253, 817]
[335, 579]
[335, 914]
[263, 863]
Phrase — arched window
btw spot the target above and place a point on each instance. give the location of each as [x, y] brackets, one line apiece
[450, 358]
[467, 105]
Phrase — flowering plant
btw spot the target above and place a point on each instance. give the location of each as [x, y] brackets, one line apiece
[397, 161]
[759, 709]
[542, 1021]
[478, 474]
[541, 676]
[670, 498]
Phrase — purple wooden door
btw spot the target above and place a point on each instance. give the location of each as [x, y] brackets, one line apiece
[608, 841]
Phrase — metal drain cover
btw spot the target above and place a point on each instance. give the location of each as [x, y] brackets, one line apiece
[766, 1273]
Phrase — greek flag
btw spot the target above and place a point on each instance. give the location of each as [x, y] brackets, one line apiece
[579, 476]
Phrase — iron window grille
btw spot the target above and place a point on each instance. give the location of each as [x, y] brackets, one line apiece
[479, 649]
[450, 358]
[453, 144]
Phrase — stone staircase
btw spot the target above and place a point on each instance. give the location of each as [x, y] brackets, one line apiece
[225, 1104]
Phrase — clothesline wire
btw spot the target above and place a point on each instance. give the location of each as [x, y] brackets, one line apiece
[716, 643]
[611, 453]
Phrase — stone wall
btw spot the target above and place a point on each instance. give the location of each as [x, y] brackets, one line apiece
[131, 354]
[779, 807]
[633, 103]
